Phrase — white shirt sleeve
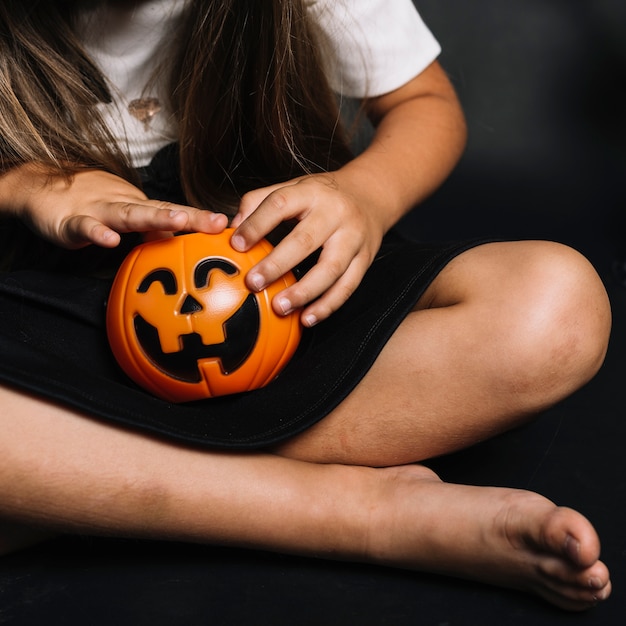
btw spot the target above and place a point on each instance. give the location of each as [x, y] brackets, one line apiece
[372, 46]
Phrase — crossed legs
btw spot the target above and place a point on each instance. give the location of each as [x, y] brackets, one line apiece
[504, 331]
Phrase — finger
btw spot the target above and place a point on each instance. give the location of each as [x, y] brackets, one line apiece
[334, 297]
[188, 218]
[205, 221]
[278, 206]
[126, 217]
[161, 216]
[301, 242]
[249, 203]
[252, 199]
[328, 284]
[198, 221]
[82, 230]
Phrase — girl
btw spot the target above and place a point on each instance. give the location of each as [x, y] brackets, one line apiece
[162, 116]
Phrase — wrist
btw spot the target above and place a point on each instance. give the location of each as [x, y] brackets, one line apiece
[17, 185]
[373, 195]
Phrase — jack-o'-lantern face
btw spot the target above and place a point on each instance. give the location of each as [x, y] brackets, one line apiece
[211, 318]
[182, 323]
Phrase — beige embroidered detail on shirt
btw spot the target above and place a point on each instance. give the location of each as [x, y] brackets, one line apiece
[144, 109]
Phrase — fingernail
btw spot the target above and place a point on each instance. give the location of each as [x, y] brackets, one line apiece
[237, 242]
[257, 281]
[310, 320]
[174, 212]
[284, 304]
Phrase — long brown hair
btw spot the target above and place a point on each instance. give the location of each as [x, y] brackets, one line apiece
[48, 92]
[252, 99]
[246, 85]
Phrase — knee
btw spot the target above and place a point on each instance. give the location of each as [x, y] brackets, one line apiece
[561, 322]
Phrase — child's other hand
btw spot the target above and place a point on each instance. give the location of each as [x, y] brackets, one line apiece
[327, 218]
[95, 207]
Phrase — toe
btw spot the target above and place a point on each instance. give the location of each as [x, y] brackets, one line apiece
[568, 534]
[572, 588]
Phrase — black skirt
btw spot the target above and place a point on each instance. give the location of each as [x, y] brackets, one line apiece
[53, 343]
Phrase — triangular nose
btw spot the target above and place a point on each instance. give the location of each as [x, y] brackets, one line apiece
[190, 305]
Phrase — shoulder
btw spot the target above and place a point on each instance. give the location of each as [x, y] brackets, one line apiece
[373, 46]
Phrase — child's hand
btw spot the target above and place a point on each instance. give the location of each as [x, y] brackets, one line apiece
[95, 207]
[328, 218]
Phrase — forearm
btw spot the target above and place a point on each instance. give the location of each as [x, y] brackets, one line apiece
[420, 136]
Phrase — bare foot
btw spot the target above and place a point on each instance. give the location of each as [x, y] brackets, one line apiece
[506, 537]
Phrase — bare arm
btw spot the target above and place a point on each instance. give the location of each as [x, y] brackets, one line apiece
[420, 134]
[94, 207]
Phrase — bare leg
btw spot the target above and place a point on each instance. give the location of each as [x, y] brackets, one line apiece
[505, 331]
[61, 470]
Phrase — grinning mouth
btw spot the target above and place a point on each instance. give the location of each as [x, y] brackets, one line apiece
[241, 331]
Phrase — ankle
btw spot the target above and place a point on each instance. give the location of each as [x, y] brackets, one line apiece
[340, 514]
[393, 489]
[348, 510]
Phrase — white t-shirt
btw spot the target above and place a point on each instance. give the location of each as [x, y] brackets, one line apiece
[375, 46]
[372, 48]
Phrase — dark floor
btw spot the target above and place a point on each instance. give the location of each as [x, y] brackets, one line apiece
[544, 86]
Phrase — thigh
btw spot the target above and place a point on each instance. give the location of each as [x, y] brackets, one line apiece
[505, 330]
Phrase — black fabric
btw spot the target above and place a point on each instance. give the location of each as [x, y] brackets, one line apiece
[53, 342]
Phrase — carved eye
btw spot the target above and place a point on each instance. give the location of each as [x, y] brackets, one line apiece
[163, 276]
[204, 268]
